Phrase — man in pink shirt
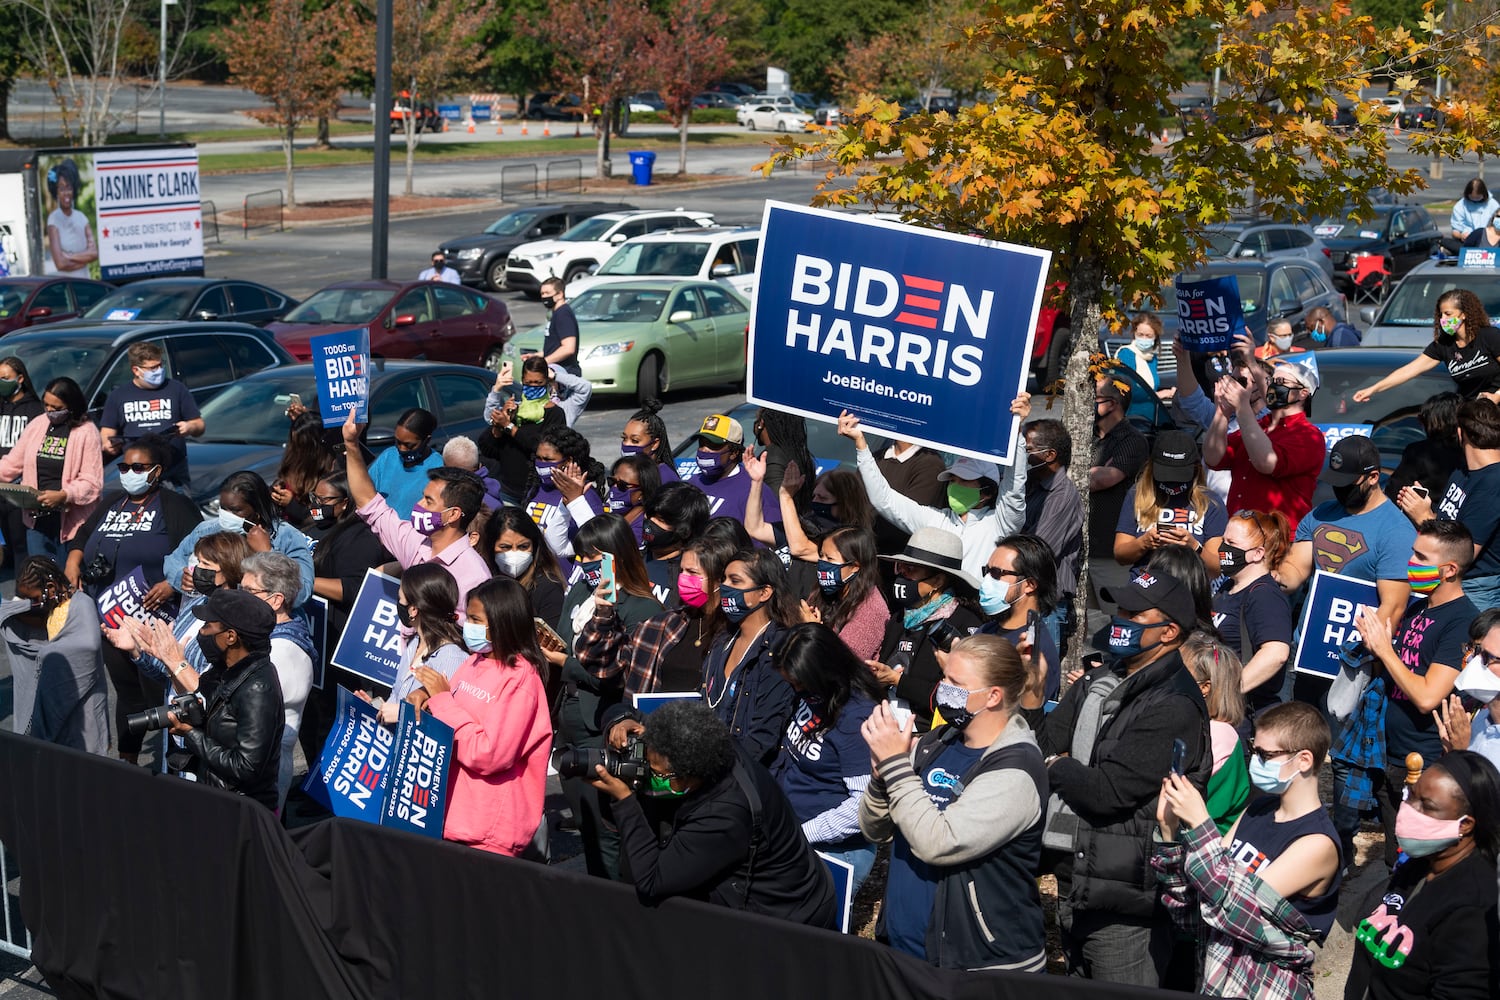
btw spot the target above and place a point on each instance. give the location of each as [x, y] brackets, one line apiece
[438, 530]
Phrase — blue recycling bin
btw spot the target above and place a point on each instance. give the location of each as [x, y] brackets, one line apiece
[641, 162]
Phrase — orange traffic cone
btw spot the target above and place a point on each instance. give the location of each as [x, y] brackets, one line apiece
[546, 129]
[471, 127]
[499, 127]
[576, 133]
[523, 127]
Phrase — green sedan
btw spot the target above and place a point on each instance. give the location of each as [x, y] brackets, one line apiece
[645, 337]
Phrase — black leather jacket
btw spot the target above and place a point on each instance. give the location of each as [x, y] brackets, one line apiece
[239, 745]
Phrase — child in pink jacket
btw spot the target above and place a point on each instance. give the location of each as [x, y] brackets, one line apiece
[496, 703]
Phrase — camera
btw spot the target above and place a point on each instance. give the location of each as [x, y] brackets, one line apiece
[98, 570]
[629, 765]
[943, 635]
[187, 706]
[1222, 366]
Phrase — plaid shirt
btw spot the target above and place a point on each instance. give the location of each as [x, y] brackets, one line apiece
[1360, 743]
[607, 649]
[1252, 942]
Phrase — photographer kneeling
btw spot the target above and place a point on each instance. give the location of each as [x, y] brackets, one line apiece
[237, 740]
[729, 836]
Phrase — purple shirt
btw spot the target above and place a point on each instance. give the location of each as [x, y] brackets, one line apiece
[727, 495]
[410, 547]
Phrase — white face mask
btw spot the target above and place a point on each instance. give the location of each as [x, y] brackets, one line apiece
[231, 522]
[1282, 343]
[1478, 681]
[513, 563]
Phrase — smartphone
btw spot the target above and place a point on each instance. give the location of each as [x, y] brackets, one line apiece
[900, 710]
[1179, 757]
[547, 636]
[295, 399]
[1031, 633]
[607, 575]
[1092, 660]
[1421, 491]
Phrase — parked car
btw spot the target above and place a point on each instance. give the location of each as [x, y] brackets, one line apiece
[739, 90]
[556, 107]
[158, 299]
[427, 118]
[1392, 414]
[480, 259]
[37, 301]
[828, 114]
[780, 102]
[1404, 235]
[726, 255]
[1395, 105]
[1343, 116]
[647, 337]
[1275, 288]
[1419, 116]
[246, 424]
[1405, 319]
[715, 99]
[646, 100]
[589, 244]
[428, 320]
[1269, 239]
[206, 357]
[773, 118]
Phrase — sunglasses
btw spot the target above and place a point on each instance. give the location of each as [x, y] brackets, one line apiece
[135, 467]
[622, 485]
[997, 573]
[1266, 756]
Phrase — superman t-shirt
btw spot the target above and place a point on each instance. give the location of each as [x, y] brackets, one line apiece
[1371, 546]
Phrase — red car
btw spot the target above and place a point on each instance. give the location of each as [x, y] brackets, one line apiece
[33, 301]
[415, 319]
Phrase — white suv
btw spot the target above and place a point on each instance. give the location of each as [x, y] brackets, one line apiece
[721, 254]
[589, 244]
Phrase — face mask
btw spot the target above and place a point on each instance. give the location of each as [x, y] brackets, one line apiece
[1231, 559]
[592, 572]
[1478, 681]
[953, 702]
[962, 499]
[205, 581]
[211, 651]
[1280, 397]
[906, 592]
[57, 417]
[534, 392]
[232, 522]
[403, 612]
[1282, 343]
[1317, 334]
[822, 511]
[619, 501]
[1266, 775]
[1144, 345]
[154, 377]
[1034, 462]
[513, 563]
[1450, 324]
[692, 591]
[650, 533]
[709, 461]
[544, 471]
[323, 517]
[626, 450]
[1125, 637]
[1173, 490]
[732, 602]
[1423, 579]
[427, 522]
[662, 787]
[830, 580]
[412, 459]
[135, 483]
[1420, 836]
[476, 637]
[8, 387]
[550, 302]
[994, 596]
[1352, 497]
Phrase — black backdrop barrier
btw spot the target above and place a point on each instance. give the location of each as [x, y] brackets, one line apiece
[138, 885]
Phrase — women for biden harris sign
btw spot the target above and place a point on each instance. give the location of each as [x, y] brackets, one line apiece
[925, 336]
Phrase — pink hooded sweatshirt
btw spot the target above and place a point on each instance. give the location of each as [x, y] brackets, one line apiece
[501, 740]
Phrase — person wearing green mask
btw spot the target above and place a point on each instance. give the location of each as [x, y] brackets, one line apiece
[984, 502]
[729, 818]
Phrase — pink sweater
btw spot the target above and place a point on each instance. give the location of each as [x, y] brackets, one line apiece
[865, 629]
[82, 477]
[501, 740]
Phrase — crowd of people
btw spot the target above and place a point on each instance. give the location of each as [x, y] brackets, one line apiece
[871, 660]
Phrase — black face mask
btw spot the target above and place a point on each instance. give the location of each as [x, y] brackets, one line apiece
[906, 592]
[550, 302]
[403, 612]
[1173, 490]
[1231, 559]
[414, 458]
[211, 651]
[653, 536]
[1280, 397]
[205, 581]
[1354, 496]
[822, 511]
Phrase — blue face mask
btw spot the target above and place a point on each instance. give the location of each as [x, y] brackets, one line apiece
[592, 571]
[994, 596]
[534, 392]
[1125, 637]
[732, 603]
[830, 579]
[476, 637]
[1266, 775]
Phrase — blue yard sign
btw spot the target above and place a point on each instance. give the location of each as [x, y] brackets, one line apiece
[350, 777]
[416, 794]
[925, 336]
[371, 643]
[1334, 601]
[342, 364]
[1208, 313]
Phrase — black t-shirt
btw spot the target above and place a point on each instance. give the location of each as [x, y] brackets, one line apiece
[49, 459]
[1473, 500]
[128, 535]
[1268, 618]
[560, 327]
[1424, 636]
[1126, 449]
[13, 420]
[1475, 366]
[681, 667]
[134, 412]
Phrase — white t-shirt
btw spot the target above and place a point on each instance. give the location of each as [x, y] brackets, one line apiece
[72, 237]
[294, 669]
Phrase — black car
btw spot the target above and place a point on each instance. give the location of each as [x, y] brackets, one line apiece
[206, 357]
[247, 423]
[1403, 235]
[480, 259]
[159, 299]
[39, 300]
[555, 107]
[1417, 116]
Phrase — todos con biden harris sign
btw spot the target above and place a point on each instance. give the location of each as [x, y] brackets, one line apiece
[925, 336]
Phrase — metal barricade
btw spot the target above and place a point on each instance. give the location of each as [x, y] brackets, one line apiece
[573, 182]
[210, 221]
[517, 170]
[16, 939]
[263, 210]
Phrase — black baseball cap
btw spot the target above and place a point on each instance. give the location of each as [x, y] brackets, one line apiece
[1151, 589]
[1349, 459]
[1174, 459]
[247, 614]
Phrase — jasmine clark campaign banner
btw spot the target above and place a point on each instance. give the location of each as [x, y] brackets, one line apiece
[924, 335]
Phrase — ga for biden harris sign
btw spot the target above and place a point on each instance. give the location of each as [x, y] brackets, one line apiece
[923, 335]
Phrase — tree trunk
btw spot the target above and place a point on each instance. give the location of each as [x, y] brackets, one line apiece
[287, 147]
[1084, 289]
[411, 149]
[601, 148]
[682, 139]
[5, 89]
[324, 141]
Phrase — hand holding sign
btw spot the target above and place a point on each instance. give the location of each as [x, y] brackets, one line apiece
[352, 429]
[849, 428]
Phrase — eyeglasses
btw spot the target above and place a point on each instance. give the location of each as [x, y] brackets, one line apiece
[997, 573]
[620, 484]
[1486, 658]
[252, 590]
[1266, 756]
[325, 501]
[135, 466]
[665, 775]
